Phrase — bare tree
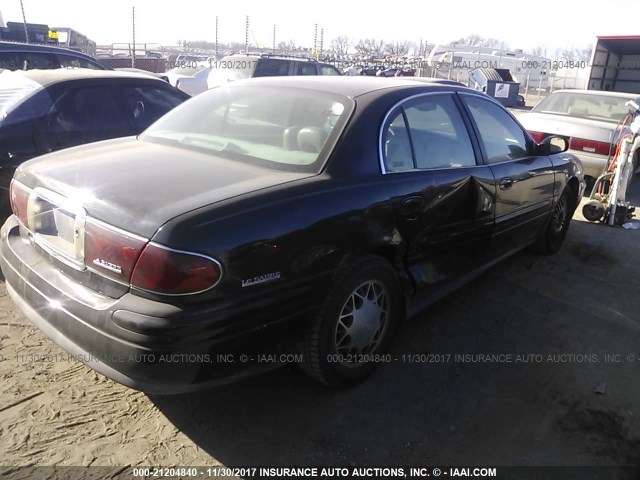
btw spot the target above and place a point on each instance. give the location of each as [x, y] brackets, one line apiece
[236, 46]
[495, 43]
[398, 48]
[287, 46]
[475, 40]
[584, 54]
[370, 46]
[574, 54]
[340, 45]
[538, 51]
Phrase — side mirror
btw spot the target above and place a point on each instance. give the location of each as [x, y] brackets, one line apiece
[553, 145]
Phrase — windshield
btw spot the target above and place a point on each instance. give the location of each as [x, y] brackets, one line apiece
[582, 105]
[275, 127]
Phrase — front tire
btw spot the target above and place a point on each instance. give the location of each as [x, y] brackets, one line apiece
[356, 323]
[551, 238]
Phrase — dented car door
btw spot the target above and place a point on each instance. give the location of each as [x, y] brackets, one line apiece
[443, 197]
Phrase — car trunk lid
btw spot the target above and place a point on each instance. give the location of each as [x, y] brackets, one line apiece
[138, 186]
[93, 209]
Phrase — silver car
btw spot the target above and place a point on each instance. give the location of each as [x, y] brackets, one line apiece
[588, 119]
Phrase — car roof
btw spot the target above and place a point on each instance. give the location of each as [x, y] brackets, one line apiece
[274, 56]
[603, 93]
[58, 75]
[29, 47]
[349, 86]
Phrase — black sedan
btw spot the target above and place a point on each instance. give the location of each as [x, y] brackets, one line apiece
[46, 110]
[273, 220]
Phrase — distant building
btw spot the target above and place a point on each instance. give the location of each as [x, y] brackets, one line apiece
[15, 32]
[43, 35]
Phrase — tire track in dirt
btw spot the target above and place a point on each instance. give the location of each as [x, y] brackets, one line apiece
[56, 411]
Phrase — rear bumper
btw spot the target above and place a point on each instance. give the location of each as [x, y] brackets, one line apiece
[593, 164]
[147, 345]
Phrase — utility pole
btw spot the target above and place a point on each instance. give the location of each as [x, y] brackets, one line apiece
[321, 42]
[315, 38]
[133, 24]
[216, 37]
[246, 35]
[273, 48]
[24, 22]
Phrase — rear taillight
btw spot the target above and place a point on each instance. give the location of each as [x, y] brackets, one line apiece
[110, 252]
[19, 199]
[590, 146]
[537, 136]
[171, 272]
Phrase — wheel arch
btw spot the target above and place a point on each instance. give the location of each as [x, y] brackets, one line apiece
[392, 255]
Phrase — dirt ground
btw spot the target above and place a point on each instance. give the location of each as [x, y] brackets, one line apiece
[571, 398]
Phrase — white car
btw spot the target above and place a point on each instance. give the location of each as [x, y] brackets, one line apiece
[588, 119]
[194, 84]
[189, 70]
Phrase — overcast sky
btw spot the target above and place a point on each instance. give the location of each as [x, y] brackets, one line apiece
[522, 24]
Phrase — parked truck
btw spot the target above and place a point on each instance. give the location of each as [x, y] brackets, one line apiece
[615, 64]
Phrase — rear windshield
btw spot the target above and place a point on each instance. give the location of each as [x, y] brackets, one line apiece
[275, 127]
[580, 105]
[188, 70]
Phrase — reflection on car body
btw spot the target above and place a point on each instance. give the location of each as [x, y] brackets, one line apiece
[47, 110]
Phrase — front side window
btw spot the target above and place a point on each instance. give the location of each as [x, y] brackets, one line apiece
[329, 70]
[274, 127]
[85, 115]
[502, 137]
[15, 88]
[145, 104]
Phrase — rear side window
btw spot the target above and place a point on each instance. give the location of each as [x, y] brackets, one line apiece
[427, 133]
[440, 138]
[306, 69]
[396, 146]
[272, 67]
[502, 137]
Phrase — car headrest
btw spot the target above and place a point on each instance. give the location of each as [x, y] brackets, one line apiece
[290, 138]
[578, 112]
[311, 139]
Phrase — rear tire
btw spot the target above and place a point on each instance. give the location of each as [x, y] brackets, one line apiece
[356, 323]
[552, 236]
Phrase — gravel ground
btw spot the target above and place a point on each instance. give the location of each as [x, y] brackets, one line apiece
[572, 398]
